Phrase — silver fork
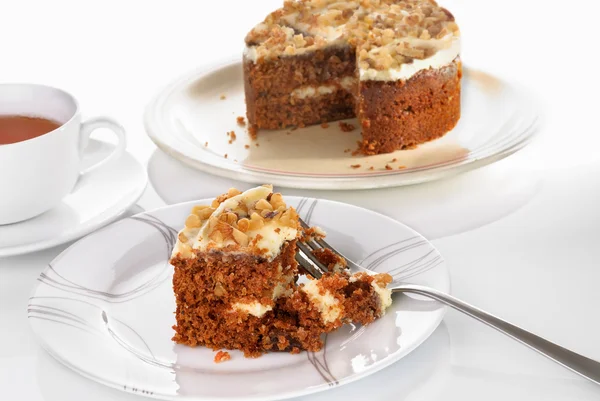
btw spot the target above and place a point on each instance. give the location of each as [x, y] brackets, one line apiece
[586, 367]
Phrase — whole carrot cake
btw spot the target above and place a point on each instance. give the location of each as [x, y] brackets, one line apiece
[393, 64]
[236, 280]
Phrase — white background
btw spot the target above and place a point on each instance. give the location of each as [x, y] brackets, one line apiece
[538, 266]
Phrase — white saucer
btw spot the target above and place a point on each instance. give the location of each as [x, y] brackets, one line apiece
[190, 120]
[99, 198]
[106, 312]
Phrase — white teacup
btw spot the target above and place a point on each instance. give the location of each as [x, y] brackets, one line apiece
[36, 174]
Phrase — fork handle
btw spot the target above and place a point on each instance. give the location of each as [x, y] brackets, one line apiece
[586, 367]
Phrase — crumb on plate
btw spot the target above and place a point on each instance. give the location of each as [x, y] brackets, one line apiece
[231, 136]
[222, 356]
[346, 127]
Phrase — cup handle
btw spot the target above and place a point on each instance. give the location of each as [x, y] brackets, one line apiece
[93, 124]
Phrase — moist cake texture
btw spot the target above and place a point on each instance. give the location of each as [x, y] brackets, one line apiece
[236, 280]
[393, 64]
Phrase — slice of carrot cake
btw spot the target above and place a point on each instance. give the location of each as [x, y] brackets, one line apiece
[235, 280]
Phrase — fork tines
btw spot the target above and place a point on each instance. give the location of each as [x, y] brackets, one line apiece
[307, 259]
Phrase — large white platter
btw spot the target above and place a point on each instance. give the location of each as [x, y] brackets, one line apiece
[189, 120]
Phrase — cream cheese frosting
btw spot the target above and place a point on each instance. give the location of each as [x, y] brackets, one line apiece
[393, 40]
[264, 239]
[446, 52]
[327, 304]
[346, 83]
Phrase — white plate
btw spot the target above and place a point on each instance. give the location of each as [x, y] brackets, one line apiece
[497, 120]
[99, 198]
[104, 308]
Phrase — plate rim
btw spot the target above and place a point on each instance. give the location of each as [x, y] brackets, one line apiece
[153, 127]
[292, 394]
[100, 220]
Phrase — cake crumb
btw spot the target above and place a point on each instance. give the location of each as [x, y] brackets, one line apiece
[252, 131]
[206, 144]
[231, 136]
[246, 146]
[345, 127]
[347, 150]
[225, 156]
[355, 165]
[401, 167]
[324, 125]
[223, 97]
[371, 168]
[222, 356]
[394, 160]
[241, 121]
[277, 230]
[257, 144]
[388, 167]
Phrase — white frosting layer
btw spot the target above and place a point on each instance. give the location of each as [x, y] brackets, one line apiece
[252, 53]
[346, 83]
[253, 308]
[326, 303]
[385, 296]
[270, 242]
[440, 59]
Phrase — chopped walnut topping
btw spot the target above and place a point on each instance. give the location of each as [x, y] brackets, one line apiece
[385, 33]
[193, 221]
[239, 222]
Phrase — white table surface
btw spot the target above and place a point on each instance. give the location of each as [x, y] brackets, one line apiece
[528, 253]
